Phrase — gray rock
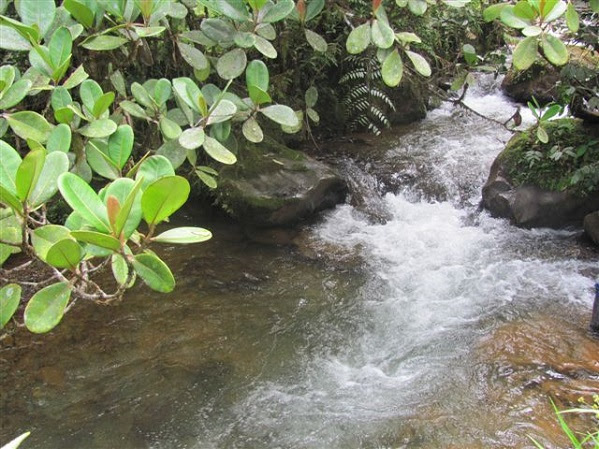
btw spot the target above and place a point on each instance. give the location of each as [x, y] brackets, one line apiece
[591, 226]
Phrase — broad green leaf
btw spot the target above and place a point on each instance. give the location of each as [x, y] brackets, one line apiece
[231, 64]
[102, 104]
[39, 58]
[221, 131]
[392, 70]
[267, 31]
[61, 98]
[45, 237]
[279, 11]
[127, 192]
[29, 125]
[98, 129]
[60, 139]
[313, 9]
[154, 168]
[29, 172]
[222, 112]
[99, 161]
[381, 34]
[542, 135]
[164, 197]
[252, 131]
[281, 114]
[509, 18]
[119, 267]
[162, 91]
[9, 164]
[14, 444]
[80, 12]
[154, 272]
[174, 152]
[133, 109]
[218, 151]
[82, 199]
[493, 12]
[265, 47]
[594, 5]
[184, 235]
[551, 112]
[417, 7]
[60, 47]
[16, 35]
[10, 296]
[104, 42]
[572, 19]
[118, 82]
[46, 187]
[188, 92]
[554, 49]
[89, 92]
[555, 11]
[525, 53]
[38, 12]
[244, 39]
[316, 41]
[192, 138]
[46, 308]
[149, 31]
[218, 30]
[524, 10]
[311, 96]
[313, 115]
[233, 9]
[82, 169]
[207, 179]
[120, 145]
[76, 78]
[141, 95]
[359, 39]
[420, 64]
[193, 56]
[10, 199]
[98, 239]
[532, 30]
[169, 129]
[66, 253]
[15, 93]
[256, 74]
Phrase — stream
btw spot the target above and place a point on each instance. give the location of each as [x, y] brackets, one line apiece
[406, 318]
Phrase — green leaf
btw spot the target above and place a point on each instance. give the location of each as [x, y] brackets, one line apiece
[551, 112]
[98, 129]
[141, 95]
[265, 47]
[9, 199]
[127, 192]
[89, 92]
[392, 70]
[245, 39]
[525, 53]
[256, 74]
[46, 308]
[252, 131]
[145, 32]
[553, 10]
[164, 197]
[154, 272]
[169, 129]
[417, 7]
[80, 12]
[218, 30]
[554, 49]
[29, 172]
[532, 30]
[60, 47]
[76, 78]
[162, 91]
[359, 39]
[524, 10]
[572, 19]
[509, 18]
[381, 34]
[15, 93]
[99, 161]
[98, 239]
[222, 112]
[420, 64]
[192, 138]
[104, 42]
[233, 9]
[43, 238]
[193, 56]
[281, 114]
[188, 92]
[9, 164]
[119, 267]
[120, 145]
[133, 109]
[39, 12]
[267, 31]
[311, 96]
[316, 41]
[154, 168]
[16, 35]
[493, 12]
[231, 64]
[258, 96]
[102, 104]
[174, 152]
[65, 253]
[46, 187]
[313, 9]
[594, 5]
[207, 179]
[61, 98]
[118, 82]
[542, 135]
[10, 296]
[184, 235]
[313, 115]
[218, 152]
[29, 125]
[279, 11]
[14, 444]
[82, 199]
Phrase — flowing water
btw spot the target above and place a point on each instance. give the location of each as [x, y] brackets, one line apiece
[410, 319]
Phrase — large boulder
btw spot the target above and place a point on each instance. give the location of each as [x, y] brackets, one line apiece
[591, 226]
[540, 81]
[272, 185]
[529, 203]
[411, 103]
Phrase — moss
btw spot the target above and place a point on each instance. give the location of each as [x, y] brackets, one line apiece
[569, 161]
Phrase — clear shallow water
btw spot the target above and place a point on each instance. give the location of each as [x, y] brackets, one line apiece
[437, 327]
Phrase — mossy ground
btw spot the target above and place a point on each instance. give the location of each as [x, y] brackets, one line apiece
[570, 160]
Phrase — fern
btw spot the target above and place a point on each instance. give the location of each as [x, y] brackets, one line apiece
[367, 104]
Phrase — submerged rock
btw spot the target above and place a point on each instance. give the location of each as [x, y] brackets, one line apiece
[272, 185]
[591, 226]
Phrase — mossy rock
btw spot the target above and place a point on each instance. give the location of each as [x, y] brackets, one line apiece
[272, 185]
[533, 187]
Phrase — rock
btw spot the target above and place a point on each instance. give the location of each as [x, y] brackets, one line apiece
[272, 185]
[591, 226]
[410, 101]
[528, 204]
[539, 81]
